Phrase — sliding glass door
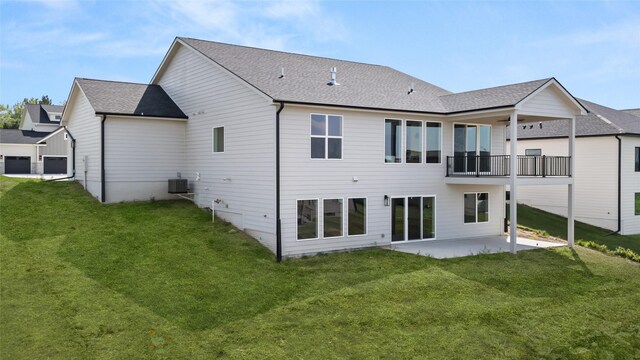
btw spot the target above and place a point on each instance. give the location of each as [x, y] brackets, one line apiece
[412, 218]
[469, 142]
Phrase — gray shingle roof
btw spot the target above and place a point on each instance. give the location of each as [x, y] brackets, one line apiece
[500, 96]
[306, 78]
[601, 120]
[16, 136]
[38, 113]
[361, 85]
[123, 98]
[635, 112]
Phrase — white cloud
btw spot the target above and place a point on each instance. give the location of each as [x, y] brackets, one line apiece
[265, 24]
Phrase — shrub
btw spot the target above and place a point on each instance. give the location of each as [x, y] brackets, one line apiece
[619, 251]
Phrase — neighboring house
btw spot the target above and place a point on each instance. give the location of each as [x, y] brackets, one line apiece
[310, 154]
[38, 146]
[607, 176]
[41, 118]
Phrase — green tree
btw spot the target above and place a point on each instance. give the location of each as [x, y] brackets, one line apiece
[10, 116]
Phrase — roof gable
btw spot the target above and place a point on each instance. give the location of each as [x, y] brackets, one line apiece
[306, 78]
[123, 98]
[600, 121]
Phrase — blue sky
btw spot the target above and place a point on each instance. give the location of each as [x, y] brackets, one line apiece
[593, 48]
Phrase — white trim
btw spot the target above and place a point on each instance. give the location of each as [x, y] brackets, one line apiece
[500, 112]
[341, 219]
[441, 135]
[520, 104]
[12, 144]
[140, 117]
[60, 128]
[476, 206]
[326, 136]
[317, 219]
[366, 216]
[213, 140]
[422, 141]
[384, 142]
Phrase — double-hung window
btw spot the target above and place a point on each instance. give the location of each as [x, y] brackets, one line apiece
[638, 159]
[326, 136]
[476, 208]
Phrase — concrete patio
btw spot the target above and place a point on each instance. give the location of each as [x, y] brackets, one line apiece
[444, 249]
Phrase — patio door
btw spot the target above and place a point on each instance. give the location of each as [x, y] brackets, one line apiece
[412, 218]
[471, 148]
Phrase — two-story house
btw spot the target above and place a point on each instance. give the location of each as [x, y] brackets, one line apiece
[310, 154]
[38, 146]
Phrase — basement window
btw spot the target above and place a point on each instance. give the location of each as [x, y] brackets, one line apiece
[332, 218]
[533, 152]
[476, 208]
[307, 222]
[218, 139]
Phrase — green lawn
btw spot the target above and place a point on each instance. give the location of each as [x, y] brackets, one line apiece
[557, 226]
[158, 280]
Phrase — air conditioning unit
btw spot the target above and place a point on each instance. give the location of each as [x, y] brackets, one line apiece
[178, 186]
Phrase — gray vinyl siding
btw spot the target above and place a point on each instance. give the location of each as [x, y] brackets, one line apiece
[596, 180]
[55, 145]
[548, 102]
[363, 157]
[140, 156]
[242, 178]
[84, 125]
[630, 186]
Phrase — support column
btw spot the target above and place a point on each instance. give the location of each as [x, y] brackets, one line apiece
[513, 174]
[571, 186]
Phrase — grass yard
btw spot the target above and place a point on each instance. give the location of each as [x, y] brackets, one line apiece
[158, 280]
[557, 226]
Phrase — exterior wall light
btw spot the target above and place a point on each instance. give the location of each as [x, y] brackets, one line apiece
[386, 200]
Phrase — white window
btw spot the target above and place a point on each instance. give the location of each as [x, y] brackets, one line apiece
[218, 139]
[357, 216]
[476, 208]
[326, 136]
[413, 152]
[332, 219]
[533, 152]
[434, 142]
[307, 223]
[392, 141]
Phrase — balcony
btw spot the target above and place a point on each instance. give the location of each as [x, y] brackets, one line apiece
[498, 166]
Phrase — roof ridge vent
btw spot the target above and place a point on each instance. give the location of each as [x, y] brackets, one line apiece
[333, 80]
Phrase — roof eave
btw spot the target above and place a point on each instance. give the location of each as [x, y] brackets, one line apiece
[344, 106]
[106, 113]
